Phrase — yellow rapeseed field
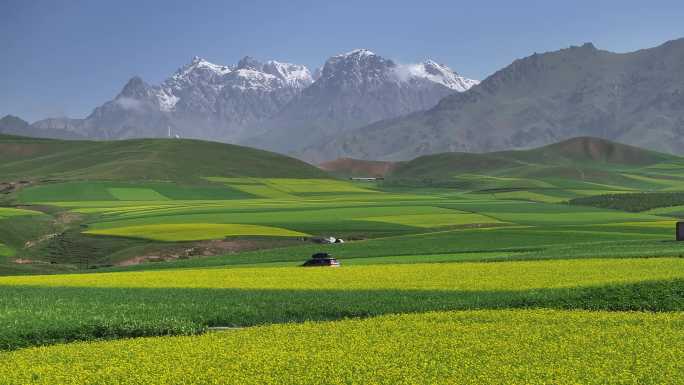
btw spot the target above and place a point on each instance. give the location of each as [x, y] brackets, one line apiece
[471, 347]
[481, 276]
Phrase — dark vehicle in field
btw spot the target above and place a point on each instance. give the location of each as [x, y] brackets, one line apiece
[322, 259]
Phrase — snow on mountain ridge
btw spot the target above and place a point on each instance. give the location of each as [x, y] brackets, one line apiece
[438, 73]
[294, 74]
[198, 62]
[359, 52]
[247, 78]
[209, 80]
[363, 60]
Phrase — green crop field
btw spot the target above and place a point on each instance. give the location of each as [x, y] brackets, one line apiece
[5, 251]
[553, 265]
[193, 232]
[9, 212]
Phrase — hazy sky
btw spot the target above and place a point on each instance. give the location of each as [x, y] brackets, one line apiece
[66, 57]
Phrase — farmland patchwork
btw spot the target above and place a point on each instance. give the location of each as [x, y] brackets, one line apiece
[489, 277]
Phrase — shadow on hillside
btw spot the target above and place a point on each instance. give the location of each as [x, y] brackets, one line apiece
[43, 315]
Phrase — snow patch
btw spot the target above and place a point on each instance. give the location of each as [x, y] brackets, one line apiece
[434, 72]
[167, 100]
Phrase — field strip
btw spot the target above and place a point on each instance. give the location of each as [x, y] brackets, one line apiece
[465, 276]
[9, 212]
[194, 231]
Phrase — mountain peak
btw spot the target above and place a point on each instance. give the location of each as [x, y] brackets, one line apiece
[359, 52]
[434, 68]
[202, 65]
[249, 62]
[135, 88]
[11, 118]
[585, 48]
[432, 63]
[11, 124]
[357, 65]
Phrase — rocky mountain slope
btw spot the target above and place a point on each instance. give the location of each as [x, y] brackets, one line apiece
[355, 89]
[635, 98]
[12, 125]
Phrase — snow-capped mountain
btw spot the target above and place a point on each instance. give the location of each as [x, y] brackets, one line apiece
[201, 84]
[258, 102]
[352, 90]
[201, 100]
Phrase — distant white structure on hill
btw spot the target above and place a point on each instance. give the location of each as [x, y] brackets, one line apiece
[366, 179]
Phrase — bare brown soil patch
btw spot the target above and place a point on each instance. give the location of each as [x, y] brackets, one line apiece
[208, 249]
[19, 149]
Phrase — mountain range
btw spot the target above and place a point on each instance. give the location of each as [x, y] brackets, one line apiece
[263, 103]
[635, 98]
[201, 100]
[363, 106]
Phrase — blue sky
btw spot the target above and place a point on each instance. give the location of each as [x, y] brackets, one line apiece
[63, 58]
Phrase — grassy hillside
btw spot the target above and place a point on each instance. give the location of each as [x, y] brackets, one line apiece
[141, 159]
[572, 168]
[38, 173]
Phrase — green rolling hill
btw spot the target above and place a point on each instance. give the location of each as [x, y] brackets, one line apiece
[575, 167]
[179, 160]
